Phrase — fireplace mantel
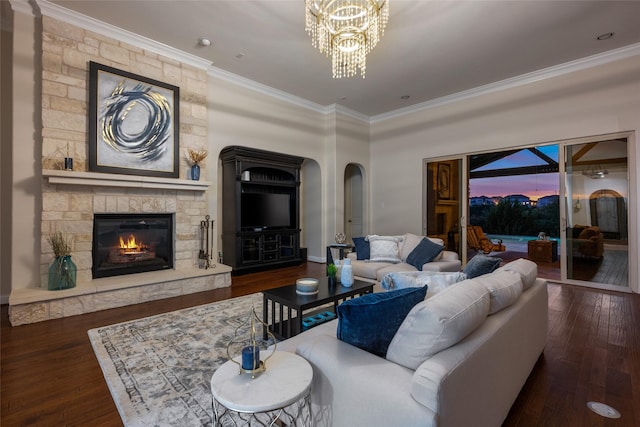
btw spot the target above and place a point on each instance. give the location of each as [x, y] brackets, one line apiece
[126, 181]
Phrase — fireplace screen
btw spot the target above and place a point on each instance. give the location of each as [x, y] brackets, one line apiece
[131, 243]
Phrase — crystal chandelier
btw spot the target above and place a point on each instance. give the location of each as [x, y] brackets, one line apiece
[346, 30]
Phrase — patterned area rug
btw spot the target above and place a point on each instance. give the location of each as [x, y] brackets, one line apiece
[159, 368]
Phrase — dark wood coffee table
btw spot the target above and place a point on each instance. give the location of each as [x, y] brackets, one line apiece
[281, 303]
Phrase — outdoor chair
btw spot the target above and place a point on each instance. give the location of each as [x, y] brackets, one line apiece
[478, 241]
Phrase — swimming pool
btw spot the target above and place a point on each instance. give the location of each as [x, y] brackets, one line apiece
[507, 238]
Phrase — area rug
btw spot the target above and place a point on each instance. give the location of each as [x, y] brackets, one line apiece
[159, 368]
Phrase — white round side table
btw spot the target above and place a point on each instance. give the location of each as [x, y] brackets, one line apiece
[282, 392]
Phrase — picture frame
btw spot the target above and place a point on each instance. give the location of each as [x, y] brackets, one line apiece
[444, 181]
[134, 124]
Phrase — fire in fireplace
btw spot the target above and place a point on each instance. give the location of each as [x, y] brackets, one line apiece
[131, 243]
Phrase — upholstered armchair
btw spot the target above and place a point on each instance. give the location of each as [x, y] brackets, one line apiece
[585, 241]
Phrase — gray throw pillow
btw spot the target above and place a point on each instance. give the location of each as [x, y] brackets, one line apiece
[425, 252]
[481, 264]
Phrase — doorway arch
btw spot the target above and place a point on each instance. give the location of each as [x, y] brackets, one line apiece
[354, 201]
[608, 212]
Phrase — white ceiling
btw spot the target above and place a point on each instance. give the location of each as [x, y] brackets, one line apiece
[430, 49]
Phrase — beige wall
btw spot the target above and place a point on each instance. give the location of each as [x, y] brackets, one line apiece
[597, 101]
[23, 225]
[241, 116]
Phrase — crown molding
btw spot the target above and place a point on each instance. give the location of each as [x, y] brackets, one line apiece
[264, 89]
[55, 11]
[284, 96]
[522, 80]
[52, 10]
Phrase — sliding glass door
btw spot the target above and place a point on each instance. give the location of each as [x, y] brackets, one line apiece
[596, 203]
[564, 206]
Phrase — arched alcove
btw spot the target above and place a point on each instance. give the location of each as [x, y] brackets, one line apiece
[354, 201]
[608, 212]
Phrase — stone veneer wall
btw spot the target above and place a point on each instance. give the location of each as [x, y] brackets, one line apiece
[66, 52]
[69, 207]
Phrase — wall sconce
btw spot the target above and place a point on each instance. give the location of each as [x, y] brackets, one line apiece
[576, 205]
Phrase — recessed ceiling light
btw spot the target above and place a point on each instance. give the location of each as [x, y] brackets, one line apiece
[603, 410]
[605, 36]
[405, 97]
[204, 42]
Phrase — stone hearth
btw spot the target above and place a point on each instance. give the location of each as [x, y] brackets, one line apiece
[36, 305]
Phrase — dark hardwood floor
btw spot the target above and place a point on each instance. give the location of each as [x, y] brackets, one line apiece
[50, 376]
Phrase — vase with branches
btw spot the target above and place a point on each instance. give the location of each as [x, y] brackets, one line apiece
[195, 157]
[63, 271]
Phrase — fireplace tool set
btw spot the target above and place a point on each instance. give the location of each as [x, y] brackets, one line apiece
[206, 243]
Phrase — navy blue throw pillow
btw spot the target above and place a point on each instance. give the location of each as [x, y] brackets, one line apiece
[481, 264]
[363, 251]
[425, 252]
[371, 321]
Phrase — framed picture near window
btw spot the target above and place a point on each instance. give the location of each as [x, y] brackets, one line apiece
[133, 124]
[444, 181]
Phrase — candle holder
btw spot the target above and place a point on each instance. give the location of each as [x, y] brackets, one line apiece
[250, 360]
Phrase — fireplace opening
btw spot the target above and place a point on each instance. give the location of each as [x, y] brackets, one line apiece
[131, 243]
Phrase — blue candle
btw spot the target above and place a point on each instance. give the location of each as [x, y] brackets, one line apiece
[250, 358]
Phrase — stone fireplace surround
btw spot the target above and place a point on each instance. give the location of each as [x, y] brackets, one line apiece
[69, 201]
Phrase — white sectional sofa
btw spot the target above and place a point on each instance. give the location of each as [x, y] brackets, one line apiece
[373, 271]
[471, 379]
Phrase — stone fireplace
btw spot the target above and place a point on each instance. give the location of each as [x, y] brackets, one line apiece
[69, 199]
[131, 243]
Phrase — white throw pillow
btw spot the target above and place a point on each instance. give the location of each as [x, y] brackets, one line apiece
[528, 271]
[384, 248]
[439, 322]
[505, 288]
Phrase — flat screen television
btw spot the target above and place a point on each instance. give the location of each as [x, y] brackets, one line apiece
[265, 210]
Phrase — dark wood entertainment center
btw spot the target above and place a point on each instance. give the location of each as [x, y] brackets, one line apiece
[260, 209]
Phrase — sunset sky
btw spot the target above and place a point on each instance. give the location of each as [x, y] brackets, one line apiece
[533, 186]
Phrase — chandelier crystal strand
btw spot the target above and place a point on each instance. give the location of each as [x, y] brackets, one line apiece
[346, 31]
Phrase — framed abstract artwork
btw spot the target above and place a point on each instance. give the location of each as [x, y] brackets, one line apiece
[133, 124]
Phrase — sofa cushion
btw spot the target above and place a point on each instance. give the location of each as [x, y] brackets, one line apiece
[384, 248]
[436, 280]
[362, 248]
[505, 287]
[425, 252]
[481, 264]
[439, 322]
[528, 271]
[371, 321]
